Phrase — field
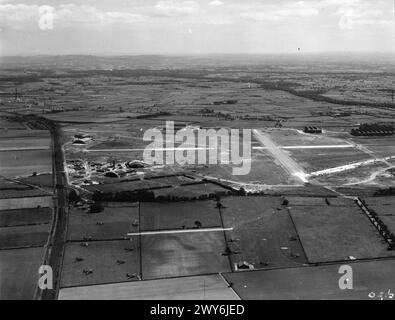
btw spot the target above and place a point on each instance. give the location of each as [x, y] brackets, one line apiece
[329, 234]
[26, 192]
[8, 125]
[13, 218]
[293, 138]
[383, 206]
[173, 255]
[109, 261]
[19, 273]
[319, 202]
[41, 180]
[191, 190]
[381, 146]
[317, 283]
[294, 227]
[321, 159]
[25, 203]
[178, 215]
[263, 234]
[112, 223]
[88, 117]
[137, 184]
[22, 163]
[24, 236]
[25, 143]
[264, 170]
[211, 287]
[362, 175]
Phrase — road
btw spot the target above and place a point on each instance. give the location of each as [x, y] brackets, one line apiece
[287, 163]
[54, 249]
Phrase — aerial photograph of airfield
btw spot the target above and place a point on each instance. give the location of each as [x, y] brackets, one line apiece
[77, 195]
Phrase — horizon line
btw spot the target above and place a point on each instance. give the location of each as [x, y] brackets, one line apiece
[301, 53]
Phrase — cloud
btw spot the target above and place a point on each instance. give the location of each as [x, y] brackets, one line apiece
[216, 3]
[346, 14]
[15, 15]
[281, 12]
[172, 8]
[358, 13]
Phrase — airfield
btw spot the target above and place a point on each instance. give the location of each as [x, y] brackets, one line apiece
[311, 202]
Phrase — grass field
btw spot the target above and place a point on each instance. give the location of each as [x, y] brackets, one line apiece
[112, 223]
[20, 193]
[321, 159]
[384, 208]
[127, 186]
[83, 117]
[317, 283]
[211, 287]
[178, 215]
[24, 236]
[13, 218]
[20, 163]
[25, 203]
[42, 180]
[173, 255]
[264, 170]
[191, 191]
[291, 137]
[361, 175]
[103, 259]
[316, 202]
[7, 143]
[334, 234]
[263, 234]
[19, 273]
[382, 205]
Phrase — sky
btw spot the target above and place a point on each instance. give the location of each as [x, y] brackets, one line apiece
[116, 27]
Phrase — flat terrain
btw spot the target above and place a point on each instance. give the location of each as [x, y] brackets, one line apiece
[293, 224]
[320, 282]
[263, 234]
[26, 192]
[109, 261]
[25, 143]
[337, 234]
[24, 236]
[21, 163]
[320, 158]
[384, 208]
[114, 222]
[173, 255]
[179, 215]
[19, 273]
[25, 203]
[292, 167]
[191, 191]
[319, 202]
[41, 180]
[211, 287]
[20, 217]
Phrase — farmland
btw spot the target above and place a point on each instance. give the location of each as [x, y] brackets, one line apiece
[195, 253]
[211, 287]
[130, 229]
[335, 235]
[263, 234]
[179, 215]
[26, 212]
[318, 283]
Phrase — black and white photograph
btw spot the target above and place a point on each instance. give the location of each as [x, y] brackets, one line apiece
[197, 154]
